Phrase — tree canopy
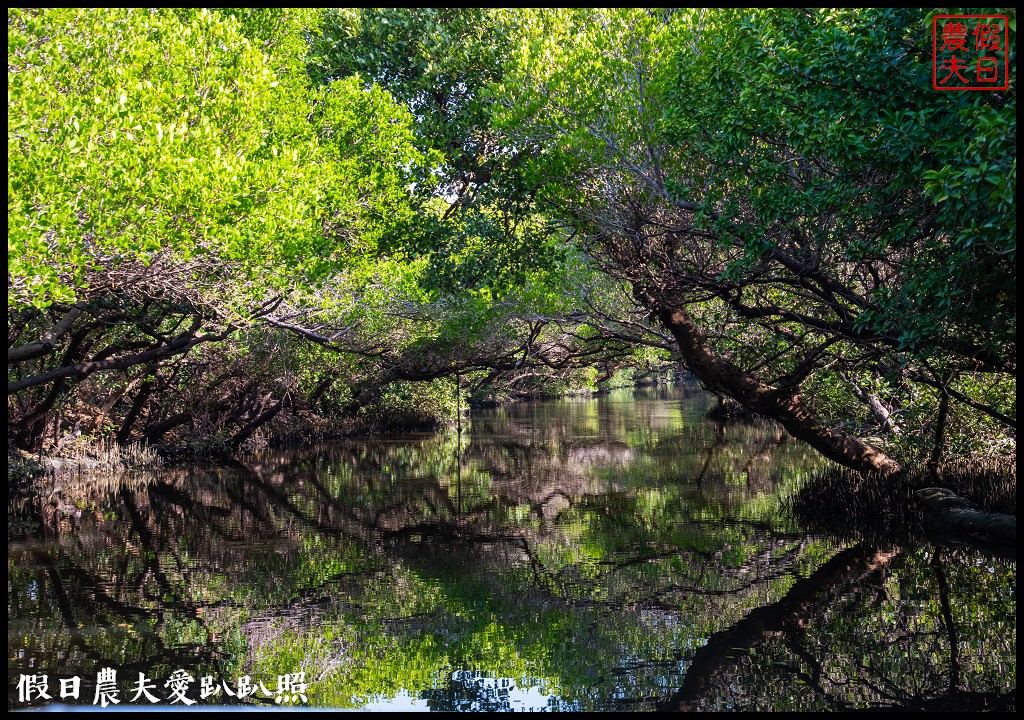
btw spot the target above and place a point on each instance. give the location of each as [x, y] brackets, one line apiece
[772, 185]
[217, 218]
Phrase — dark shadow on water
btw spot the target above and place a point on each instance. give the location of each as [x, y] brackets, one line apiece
[900, 510]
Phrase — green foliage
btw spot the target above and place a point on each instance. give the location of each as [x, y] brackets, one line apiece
[478, 225]
[783, 175]
[414, 406]
[114, 154]
[207, 153]
[824, 123]
[436, 60]
[491, 192]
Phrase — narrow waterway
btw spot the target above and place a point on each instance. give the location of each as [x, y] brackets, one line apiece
[613, 553]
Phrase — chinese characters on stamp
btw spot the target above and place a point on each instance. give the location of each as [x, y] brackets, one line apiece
[969, 52]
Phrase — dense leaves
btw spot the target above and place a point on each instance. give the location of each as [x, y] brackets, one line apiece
[767, 182]
[219, 219]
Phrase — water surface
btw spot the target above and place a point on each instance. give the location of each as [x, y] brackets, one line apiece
[613, 553]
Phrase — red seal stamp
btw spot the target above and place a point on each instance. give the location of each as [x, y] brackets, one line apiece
[969, 52]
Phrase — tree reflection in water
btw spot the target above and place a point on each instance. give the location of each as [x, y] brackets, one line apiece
[593, 555]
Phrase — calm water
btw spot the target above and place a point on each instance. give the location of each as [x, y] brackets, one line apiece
[620, 553]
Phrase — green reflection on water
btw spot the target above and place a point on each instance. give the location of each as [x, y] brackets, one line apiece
[574, 554]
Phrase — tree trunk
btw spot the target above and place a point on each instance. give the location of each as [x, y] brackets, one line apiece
[155, 432]
[30, 428]
[785, 406]
[125, 433]
[253, 425]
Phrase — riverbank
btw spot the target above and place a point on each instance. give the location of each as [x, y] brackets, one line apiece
[293, 427]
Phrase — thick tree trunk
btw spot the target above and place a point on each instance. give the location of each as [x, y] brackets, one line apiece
[30, 428]
[785, 406]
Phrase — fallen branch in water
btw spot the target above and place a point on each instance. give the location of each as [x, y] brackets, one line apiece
[961, 521]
